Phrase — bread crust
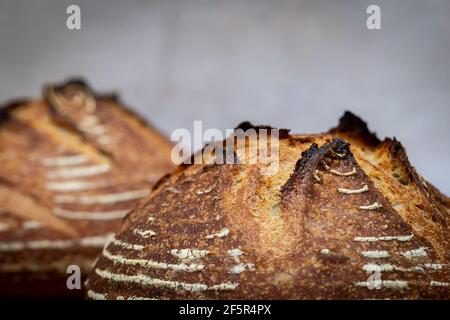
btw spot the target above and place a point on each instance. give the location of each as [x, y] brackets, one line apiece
[345, 213]
[69, 174]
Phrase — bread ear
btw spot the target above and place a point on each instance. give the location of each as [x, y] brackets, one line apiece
[297, 194]
[311, 160]
[352, 127]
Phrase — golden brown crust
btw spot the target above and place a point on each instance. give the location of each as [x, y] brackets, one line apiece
[66, 183]
[336, 220]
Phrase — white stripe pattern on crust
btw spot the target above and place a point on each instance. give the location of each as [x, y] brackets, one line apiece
[93, 241]
[160, 283]
[435, 266]
[207, 190]
[235, 252]
[103, 296]
[364, 188]
[241, 267]
[64, 160]
[388, 284]
[152, 264]
[96, 296]
[372, 206]
[77, 172]
[376, 254]
[31, 225]
[107, 140]
[384, 238]
[90, 215]
[438, 284]
[103, 198]
[97, 129]
[144, 233]
[68, 186]
[222, 233]
[134, 298]
[188, 254]
[344, 174]
[420, 252]
[127, 245]
[373, 267]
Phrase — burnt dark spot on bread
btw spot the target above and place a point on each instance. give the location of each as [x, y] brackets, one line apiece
[312, 159]
[353, 126]
[304, 167]
[338, 148]
[246, 125]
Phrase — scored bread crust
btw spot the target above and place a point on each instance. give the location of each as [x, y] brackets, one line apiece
[71, 170]
[345, 217]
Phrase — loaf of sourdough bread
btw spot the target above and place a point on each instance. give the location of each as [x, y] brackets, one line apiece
[71, 169]
[345, 217]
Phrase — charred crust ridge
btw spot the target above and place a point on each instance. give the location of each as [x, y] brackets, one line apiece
[246, 125]
[339, 148]
[353, 126]
[310, 160]
[398, 152]
[301, 166]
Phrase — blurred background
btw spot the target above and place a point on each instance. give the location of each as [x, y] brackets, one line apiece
[295, 64]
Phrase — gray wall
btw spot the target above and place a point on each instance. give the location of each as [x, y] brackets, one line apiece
[295, 64]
